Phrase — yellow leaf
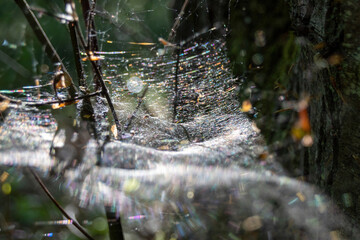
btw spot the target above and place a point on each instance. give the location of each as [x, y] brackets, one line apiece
[93, 58]
[114, 131]
[63, 104]
[297, 133]
[246, 106]
[301, 196]
[142, 43]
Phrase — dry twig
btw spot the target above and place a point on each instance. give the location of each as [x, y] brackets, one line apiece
[62, 210]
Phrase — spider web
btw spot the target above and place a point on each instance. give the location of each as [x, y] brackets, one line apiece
[191, 165]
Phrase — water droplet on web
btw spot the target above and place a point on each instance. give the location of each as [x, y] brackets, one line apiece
[135, 85]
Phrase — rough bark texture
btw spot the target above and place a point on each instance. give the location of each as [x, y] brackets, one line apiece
[319, 59]
[329, 30]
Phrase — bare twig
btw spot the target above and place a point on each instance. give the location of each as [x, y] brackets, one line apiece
[88, 12]
[177, 22]
[105, 92]
[62, 210]
[59, 17]
[75, 33]
[176, 84]
[39, 32]
[97, 93]
[6, 59]
[5, 98]
[115, 230]
[89, 49]
[186, 132]
[78, 64]
[178, 50]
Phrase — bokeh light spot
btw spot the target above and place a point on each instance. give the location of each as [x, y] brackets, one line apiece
[131, 185]
[100, 224]
[6, 188]
[190, 194]
[135, 85]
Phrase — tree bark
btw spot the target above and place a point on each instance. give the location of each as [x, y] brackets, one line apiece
[321, 61]
[328, 31]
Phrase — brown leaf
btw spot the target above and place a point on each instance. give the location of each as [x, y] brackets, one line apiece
[62, 80]
[4, 104]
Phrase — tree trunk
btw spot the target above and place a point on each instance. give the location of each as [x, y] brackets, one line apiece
[320, 60]
[328, 70]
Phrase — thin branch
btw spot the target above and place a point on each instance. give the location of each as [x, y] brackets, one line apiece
[105, 92]
[178, 50]
[86, 10]
[59, 17]
[97, 93]
[89, 49]
[6, 59]
[62, 210]
[39, 32]
[177, 22]
[81, 37]
[176, 84]
[75, 33]
[100, 80]
[5, 98]
[78, 64]
[186, 132]
[42, 37]
[88, 13]
[74, 29]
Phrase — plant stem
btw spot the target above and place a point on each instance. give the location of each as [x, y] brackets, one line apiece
[34, 104]
[89, 49]
[78, 64]
[62, 210]
[176, 84]
[177, 22]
